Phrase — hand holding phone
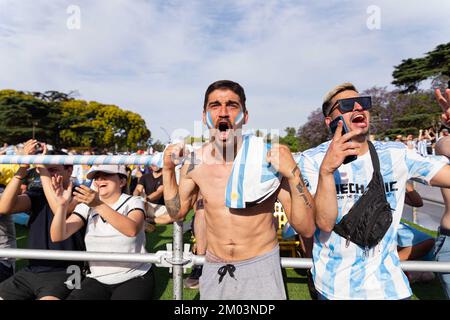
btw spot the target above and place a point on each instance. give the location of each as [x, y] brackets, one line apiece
[38, 148]
[333, 127]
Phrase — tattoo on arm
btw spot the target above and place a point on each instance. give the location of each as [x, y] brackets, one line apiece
[295, 170]
[173, 205]
[301, 190]
[301, 187]
[193, 163]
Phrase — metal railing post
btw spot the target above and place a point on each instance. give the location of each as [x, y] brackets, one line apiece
[178, 260]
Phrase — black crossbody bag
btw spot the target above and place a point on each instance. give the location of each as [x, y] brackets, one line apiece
[371, 216]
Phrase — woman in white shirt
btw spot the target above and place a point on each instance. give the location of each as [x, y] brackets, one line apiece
[114, 223]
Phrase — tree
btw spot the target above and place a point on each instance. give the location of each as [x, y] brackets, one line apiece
[435, 65]
[158, 146]
[65, 122]
[313, 132]
[53, 96]
[290, 139]
[21, 114]
[101, 125]
[396, 113]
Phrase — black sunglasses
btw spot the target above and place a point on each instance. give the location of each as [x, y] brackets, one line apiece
[347, 105]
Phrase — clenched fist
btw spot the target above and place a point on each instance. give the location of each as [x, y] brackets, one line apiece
[280, 157]
[173, 155]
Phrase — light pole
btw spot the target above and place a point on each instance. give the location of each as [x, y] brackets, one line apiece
[35, 123]
[165, 131]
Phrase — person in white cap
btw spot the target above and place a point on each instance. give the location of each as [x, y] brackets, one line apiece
[114, 223]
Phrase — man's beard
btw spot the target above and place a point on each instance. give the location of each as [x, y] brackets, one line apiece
[362, 137]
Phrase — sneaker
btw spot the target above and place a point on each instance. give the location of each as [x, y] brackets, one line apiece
[192, 282]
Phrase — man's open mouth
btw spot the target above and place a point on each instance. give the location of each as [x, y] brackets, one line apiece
[224, 129]
[358, 118]
[224, 126]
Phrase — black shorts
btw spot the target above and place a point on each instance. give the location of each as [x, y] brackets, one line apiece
[139, 288]
[5, 272]
[28, 285]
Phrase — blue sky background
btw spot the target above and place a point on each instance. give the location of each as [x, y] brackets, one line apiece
[157, 58]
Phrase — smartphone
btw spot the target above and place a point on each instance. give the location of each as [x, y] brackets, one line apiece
[333, 126]
[38, 148]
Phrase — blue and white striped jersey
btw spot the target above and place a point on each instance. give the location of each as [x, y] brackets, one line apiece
[342, 272]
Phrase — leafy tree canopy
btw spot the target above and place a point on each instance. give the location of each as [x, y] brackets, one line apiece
[434, 65]
[61, 120]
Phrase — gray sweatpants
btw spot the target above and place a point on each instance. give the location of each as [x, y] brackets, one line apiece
[259, 278]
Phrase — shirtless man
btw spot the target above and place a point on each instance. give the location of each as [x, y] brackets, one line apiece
[242, 258]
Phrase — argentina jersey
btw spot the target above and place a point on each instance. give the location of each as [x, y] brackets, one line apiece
[344, 271]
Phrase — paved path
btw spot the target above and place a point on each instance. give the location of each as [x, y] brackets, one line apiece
[428, 216]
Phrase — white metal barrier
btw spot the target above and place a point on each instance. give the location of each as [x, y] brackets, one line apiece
[164, 258]
[78, 159]
[177, 257]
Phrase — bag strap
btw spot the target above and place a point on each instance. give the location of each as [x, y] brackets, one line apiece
[374, 157]
[376, 167]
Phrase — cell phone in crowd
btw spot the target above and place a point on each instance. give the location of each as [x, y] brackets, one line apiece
[39, 149]
[333, 126]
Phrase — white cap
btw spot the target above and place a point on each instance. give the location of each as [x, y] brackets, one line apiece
[106, 168]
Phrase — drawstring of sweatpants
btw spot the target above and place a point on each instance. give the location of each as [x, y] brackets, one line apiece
[226, 268]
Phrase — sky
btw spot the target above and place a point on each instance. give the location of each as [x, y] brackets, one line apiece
[157, 58]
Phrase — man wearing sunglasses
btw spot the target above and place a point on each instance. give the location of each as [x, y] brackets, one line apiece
[341, 268]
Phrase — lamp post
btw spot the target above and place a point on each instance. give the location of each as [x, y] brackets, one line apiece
[35, 123]
[168, 135]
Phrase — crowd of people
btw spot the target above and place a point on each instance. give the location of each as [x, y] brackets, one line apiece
[344, 197]
[425, 142]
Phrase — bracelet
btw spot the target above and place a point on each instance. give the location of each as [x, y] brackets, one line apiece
[20, 178]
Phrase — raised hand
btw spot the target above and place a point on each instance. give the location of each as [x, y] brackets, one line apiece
[444, 102]
[173, 155]
[62, 196]
[29, 148]
[87, 196]
[340, 147]
[280, 157]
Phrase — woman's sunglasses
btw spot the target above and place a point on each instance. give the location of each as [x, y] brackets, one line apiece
[347, 105]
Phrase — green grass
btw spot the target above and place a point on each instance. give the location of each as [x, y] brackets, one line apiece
[295, 279]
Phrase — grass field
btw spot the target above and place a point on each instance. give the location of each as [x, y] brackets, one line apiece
[295, 280]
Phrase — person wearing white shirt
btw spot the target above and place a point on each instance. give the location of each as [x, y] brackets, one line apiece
[114, 222]
[341, 268]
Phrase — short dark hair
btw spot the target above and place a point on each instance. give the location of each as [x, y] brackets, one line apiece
[57, 152]
[226, 84]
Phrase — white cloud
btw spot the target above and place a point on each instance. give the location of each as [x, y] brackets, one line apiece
[157, 57]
